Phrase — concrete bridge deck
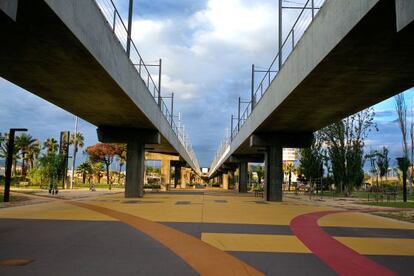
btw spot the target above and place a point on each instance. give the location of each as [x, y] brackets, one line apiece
[353, 55]
[66, 53]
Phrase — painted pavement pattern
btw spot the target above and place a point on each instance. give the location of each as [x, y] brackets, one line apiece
[207, 233]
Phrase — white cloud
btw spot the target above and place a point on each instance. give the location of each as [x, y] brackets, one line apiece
[207, 58]
[235, 23]
[184, 91]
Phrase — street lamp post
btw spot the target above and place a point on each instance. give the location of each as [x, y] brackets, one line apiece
[9, 162]
[130, 14]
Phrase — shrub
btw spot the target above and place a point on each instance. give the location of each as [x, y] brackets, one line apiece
[35, 176]
[152, 186]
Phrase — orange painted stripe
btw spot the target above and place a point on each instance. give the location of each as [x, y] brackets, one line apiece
[202, 257]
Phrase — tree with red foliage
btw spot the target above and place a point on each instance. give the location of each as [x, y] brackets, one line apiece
[104, 153]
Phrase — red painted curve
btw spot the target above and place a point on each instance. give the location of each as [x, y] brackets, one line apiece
[342, 259]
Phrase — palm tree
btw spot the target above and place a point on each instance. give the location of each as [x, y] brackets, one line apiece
[3, 145]
[77, 141]
[24, 142]
[85, 169]
[33, 153]
[4, 140]
[51, 145]
[97, 168]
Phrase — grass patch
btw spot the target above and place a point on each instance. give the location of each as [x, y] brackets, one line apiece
[393, 204]
[363, 194]
[403, 216]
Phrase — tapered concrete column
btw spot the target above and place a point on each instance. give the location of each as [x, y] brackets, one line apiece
[274, 173]
[274, 144]
[184, 178]
[220, 179]
[225, 181]
[135, 168]
[231, 178]
[165, 173]
[243, 177]
[177, 176]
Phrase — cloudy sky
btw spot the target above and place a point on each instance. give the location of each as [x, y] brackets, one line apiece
[207, 47]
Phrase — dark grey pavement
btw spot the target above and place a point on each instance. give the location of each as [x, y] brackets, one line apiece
[84, 248]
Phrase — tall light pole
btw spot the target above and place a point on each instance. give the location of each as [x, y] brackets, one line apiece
[238, 115]
[159, 82]
[280, 33]
[252, 89]
[130, 13]
[9, 162]
[75, 149]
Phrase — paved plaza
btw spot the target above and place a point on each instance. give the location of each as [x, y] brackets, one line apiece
[199, 232]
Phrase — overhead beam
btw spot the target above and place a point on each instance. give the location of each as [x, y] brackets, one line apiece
[9, 7]
[250, 158]
[287, 140]
[123, 135]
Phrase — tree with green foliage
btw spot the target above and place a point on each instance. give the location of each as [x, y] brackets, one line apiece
[24, 142]
[77, 141]
[260, 173]
[404, 161]
[383, 162]
[85, 169]
[289, 168]
[3, 151]
[311, 160]
[97, 168]
[51, 146]
[345, 141]
[33, 153]
[122, 154]
[104, 153]
[51, 167]
[372, 157]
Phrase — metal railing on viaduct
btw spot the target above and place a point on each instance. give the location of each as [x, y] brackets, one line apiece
[306, 14]
[122, 32]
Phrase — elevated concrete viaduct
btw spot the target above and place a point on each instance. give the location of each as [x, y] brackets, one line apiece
[66, 52]
[355, 53]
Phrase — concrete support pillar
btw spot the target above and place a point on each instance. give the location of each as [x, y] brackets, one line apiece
[135, 168]
[274, 173]
[225, 181]
[231, 178]
[274, 143]
[184, 177]
[165, 173]
[136, 139]
[243, 177]
[177, 176]
[220, 179]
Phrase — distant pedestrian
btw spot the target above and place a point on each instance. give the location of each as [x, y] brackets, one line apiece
[53, 189]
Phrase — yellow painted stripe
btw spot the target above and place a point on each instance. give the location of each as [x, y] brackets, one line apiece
[255, 242]
[290, 244]
[379, 246]
[203, 258]
[355, 219]
[54, 210]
